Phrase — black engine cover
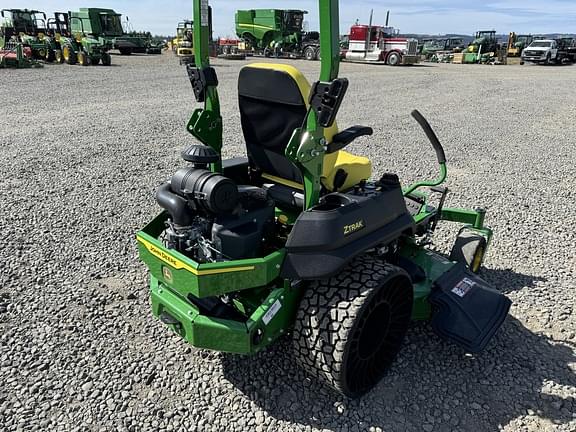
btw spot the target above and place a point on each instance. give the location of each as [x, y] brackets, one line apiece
[326, 237]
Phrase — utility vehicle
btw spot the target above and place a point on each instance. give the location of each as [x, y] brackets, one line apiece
[547, 51]
[301, 239]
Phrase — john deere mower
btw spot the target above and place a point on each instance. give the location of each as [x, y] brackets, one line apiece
[301, 239]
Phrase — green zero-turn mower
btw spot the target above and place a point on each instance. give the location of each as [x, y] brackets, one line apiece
[298, 241]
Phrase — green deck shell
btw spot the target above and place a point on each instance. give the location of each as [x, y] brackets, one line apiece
[270, 320]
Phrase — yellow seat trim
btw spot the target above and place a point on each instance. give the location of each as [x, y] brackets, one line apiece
[358, 168]
[284, 182]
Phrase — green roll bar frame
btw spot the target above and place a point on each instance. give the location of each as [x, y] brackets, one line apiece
[307, 145]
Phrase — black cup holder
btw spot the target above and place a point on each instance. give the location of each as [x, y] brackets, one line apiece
[333, 202]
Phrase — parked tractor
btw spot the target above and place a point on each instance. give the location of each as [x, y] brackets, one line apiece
[77, 47]
[380, 44]
[482, 49]
[278, 33]
[517, 43]
[27, 27]
[301, 241]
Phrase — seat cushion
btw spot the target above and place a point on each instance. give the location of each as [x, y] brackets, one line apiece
[273, 103]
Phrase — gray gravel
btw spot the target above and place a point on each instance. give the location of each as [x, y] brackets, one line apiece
[83, 150]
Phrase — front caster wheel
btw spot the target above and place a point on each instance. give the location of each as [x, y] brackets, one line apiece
[469, 249]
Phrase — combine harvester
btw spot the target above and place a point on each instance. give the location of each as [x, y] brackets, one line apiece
[301, 241]
[277, 33]
[106, 26]
[377, 44]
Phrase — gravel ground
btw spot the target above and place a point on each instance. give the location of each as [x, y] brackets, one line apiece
[83, 150]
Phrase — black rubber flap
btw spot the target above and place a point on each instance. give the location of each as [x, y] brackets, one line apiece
[468, 311]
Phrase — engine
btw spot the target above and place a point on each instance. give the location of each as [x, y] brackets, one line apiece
[211, 218]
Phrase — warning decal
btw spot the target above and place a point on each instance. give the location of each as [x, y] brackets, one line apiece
[205, 18]
[271, 313]
[462, 287]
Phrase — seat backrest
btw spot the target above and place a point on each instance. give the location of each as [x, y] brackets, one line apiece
[273, 103]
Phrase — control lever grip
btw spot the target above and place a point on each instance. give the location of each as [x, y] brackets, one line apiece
[431, 136]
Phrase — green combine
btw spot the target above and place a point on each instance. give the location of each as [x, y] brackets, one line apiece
[276, 32]
[301, 240]
[106, 26]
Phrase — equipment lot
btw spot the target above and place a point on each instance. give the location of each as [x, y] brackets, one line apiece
[79, 349]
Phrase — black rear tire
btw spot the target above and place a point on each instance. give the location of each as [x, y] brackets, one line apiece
[349, 328]
[125, 51]
[106, 59]
[50, 55]
[69, 55]
[310, 53]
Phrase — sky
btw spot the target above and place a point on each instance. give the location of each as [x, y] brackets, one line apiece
[410, 16]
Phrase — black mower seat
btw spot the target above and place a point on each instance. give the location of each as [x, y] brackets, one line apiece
[273, 101]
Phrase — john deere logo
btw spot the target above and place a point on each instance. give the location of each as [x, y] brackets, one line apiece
[167, 274]
[351, 229]
[163, 256]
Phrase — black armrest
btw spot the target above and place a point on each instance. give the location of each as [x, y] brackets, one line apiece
[342, 139]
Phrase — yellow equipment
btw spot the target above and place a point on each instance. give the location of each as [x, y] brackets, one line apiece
[516, 43]
[183, 44]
